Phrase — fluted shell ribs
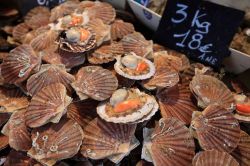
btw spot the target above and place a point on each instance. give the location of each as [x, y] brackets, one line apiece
[35, 11]
[216, 128]
[171, 144]
[55, 142]
[241, 153]
[95, 82]
[49, 74]
[209, 90]
[106, 53]
[214, 157]
[47, 105]
[144, 110]
[20, 64]
[176, 102]
[19, 31]
[12, 100]
[133, 73]
[136, 43]
[103, 139]
[119, 29]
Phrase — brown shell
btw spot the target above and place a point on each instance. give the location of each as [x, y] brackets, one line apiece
[4, 117]
[241, 153]
[35, 11]
[136, 43]
[47, 105]
[54, 142]
[144, 163]
[103, 139]
[216, 128]
[122, 81]
[172, 144]
[12, 100]
[95, 82]
[84, 4]
[209, 90]
[214, 158]
[119, 29]
[4, 141]
[20, 63]
[158, 47]
[106, 53]
[183, 57]
[38, 20]
[3, 55]
[20, 31]
[176, 102]
[47, 75]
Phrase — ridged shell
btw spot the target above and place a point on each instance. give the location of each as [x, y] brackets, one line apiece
[122, 81]
[20, 31]
[214, 158]
[209, 90]
[4, 141]
[158, 48]
[119, 29]
[172, 144]
[103, 139]
[12, 100]
[176, 102]
[38, 20]
[47, 105]
[106, 53]
[241, 153]
[95, 82]
[101, 30]
[136, 43]
[242, 118]
[47, 75]
[35, 11]
[216, 128]
[20, 63]
[4, 117]
[54, 142]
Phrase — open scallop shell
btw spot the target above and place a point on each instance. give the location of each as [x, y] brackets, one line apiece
[171, 144]
[145, 112]
[136, 43]
[20, 31]
[106, 53]
[216, 128]
[119, 68]
[95, 82]
[214, 157]
[103, 139]
[176, 102]
[4, 141]
[47, 105]
[119, 29]
[54, 142]
[241, 153]
[48, 75]
[209, 90]
[20, 63]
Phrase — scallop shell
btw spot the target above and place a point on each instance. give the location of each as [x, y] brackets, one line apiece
[214, 157]
[242, 118]
[144, 163]
[35, 11]
[158, 48]
[241, 153]
[4, 117]
[47, 105]
[95, 82]
[216, 128]
[12, 100]
[136, 43]
[3, 55]
[101, 30]
[118, 68]
[176, 102]
[38, 20]
[4, 141]
[20, 63]
[103, 139]
[119, 29]
[20, 31]
[209, 90]
[171, 144]
[48, 75]
[106, 53]
[54, 142]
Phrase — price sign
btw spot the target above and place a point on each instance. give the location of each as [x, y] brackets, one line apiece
[202, 30]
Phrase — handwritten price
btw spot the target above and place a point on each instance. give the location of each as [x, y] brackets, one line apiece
[47, 2]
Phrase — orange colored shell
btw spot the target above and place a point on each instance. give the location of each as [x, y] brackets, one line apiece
[48, 75]
[216, 128]
[95, 82]
[214, 157]
[54, 142]
[35, 11]
[172, 144]
[20, 31]
[47, 105]
[103, 139]
[4, 141]
[209, 90]
[241, 153]
[119, 29]
[176, 102]
[20, 64]
[157, 48]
